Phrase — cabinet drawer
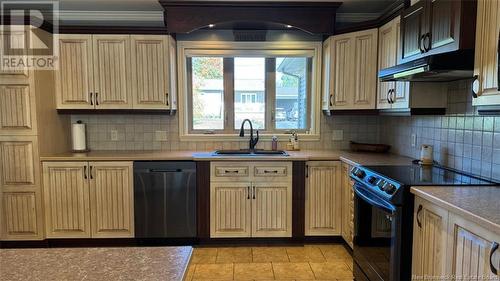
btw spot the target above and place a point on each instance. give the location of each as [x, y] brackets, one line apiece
[230, 171]
[271, 171]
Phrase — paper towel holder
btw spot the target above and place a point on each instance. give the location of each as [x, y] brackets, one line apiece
[76, 150]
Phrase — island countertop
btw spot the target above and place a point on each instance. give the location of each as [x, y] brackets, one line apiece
[129, 263]
[480, 204]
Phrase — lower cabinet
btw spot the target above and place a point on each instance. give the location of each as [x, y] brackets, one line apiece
[323, 198]
[88, 199]
[251, 200]
[446, 245]
[347, 205]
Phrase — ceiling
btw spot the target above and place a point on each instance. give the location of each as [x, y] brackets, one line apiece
[150, 12]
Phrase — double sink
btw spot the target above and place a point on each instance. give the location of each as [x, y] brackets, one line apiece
[248, 152]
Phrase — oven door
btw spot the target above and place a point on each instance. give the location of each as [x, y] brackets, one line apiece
[376, 237]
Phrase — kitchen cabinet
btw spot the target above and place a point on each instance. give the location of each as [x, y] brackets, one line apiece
[347, 205]
[17, 35]
[19, 161]
[116, 72]
[323, 198]
[350, 71]
[17, 104]
[446, 244]
[429, 239]
[436, 26]
[88, 199]
[250, 199]
[21, 218]
[486, 63]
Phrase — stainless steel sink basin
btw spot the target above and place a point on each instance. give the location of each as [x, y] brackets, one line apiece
[246, 152]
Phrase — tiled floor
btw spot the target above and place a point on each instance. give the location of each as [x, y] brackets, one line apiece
[310, 262]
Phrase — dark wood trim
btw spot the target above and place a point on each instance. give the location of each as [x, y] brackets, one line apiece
[203, 199]
[116, 111]
[311, 17]
[298, 199]
[351, 112]
[324, 239]
[81, 29]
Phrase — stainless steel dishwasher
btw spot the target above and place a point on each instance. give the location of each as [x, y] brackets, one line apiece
[165, 199]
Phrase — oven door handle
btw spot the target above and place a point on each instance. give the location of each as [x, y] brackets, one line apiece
[373, 201]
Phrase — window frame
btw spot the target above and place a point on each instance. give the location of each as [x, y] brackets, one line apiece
[228, 50]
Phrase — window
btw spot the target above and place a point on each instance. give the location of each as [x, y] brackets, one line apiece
[273, 87]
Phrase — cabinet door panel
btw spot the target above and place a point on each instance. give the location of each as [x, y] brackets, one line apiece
[19, 216]
[343, 72]
[386, 58]
[111, 199]
[272, 210]
[323, 198]
[444, 27]
[111, 55]
[16, 36]
[150, 71]
[16, 107]
[413, 26]
[347, 206]
[66, 196]
[230, 209]
[18, 161]
[486, 54]
[365, 72]
[74, 78]
[327, 75]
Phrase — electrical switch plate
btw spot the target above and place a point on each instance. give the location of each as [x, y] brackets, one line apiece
[413, 140]
[114, 135]
[160, 135]
[338, 135]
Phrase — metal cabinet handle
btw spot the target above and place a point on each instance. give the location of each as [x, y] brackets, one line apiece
[166, 98]
[91, 98]
[331, 99]
[96, 98]
[248, 192]
[270, 171]
[392, 95]
[91, 175]
[421, 43]
[419, 223]
[253, 197]
[494, 247]
[307, 171]
[427, 41]
[85, 172]
[231, 172]
[387, 98]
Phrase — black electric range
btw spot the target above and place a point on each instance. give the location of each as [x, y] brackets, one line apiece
[383, 215]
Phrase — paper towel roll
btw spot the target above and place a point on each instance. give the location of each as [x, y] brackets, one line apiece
[79, 136]
[426, 157]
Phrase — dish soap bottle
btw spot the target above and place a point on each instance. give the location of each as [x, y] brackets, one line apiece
[274, 144]
[296, 142]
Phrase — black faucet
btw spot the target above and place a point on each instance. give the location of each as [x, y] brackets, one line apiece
[253, 142]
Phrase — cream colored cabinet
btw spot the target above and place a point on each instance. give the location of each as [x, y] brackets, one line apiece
[429, 240]
[116, 72]
[473, 251]
[323, 198]
[487, 85]
[88, 199]
[17, 104]
[250, 199]
[350, 71]
[347, 205]
[75, 76]
[17, 35]
[66, 199]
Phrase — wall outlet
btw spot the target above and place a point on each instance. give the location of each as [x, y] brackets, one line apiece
[160, 135]
[413, 140]
[338, 135]
[114, 135]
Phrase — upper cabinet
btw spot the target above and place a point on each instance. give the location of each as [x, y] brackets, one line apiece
[350, 71]
[116, 72]
[486, 87]
[436, 26]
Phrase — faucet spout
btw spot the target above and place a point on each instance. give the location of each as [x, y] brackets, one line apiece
[253, 141]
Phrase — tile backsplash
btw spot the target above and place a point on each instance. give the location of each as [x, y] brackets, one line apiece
[461, 139]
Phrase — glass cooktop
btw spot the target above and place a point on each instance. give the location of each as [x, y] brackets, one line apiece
[413, 175]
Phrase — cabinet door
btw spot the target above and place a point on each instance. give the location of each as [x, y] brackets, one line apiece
[471, 247]
[17, 107]
[19, 162]
[111, 199]
[327, 75]
[111, 54]
[75, 76]
[429, 240]
[401, 95]
[66, 199]
[17, 37]
[487, 85]
[365, 71]
[323, 198]
[445, 25]
[413, 26]
[347, 206]
[387, 55]
[172, 62]
[230, 209]
[272, 209]
[343, 71]
[20, 216]
[150, 71]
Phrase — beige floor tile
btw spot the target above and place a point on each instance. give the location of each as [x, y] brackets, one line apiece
[234, 255]
[300, 270]
[190, 272]
[253, 271]
[269, 254]
[335, 252]
[334, 269]
[204, 255]
[305, 254]
[214, 272]
[205, 251]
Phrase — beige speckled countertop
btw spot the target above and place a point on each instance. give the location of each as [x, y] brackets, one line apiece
[130, 263]
[352, 158]
[479, 204]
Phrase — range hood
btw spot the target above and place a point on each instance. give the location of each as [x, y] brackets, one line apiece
[444, 67]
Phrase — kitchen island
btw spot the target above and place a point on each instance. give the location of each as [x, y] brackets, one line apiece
[129, 263]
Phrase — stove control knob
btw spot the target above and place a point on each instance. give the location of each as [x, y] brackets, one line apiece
[359, 173]
[381, 184]
[372, 180]
[390, 188]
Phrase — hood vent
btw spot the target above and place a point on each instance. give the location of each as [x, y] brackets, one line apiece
[249, 35]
